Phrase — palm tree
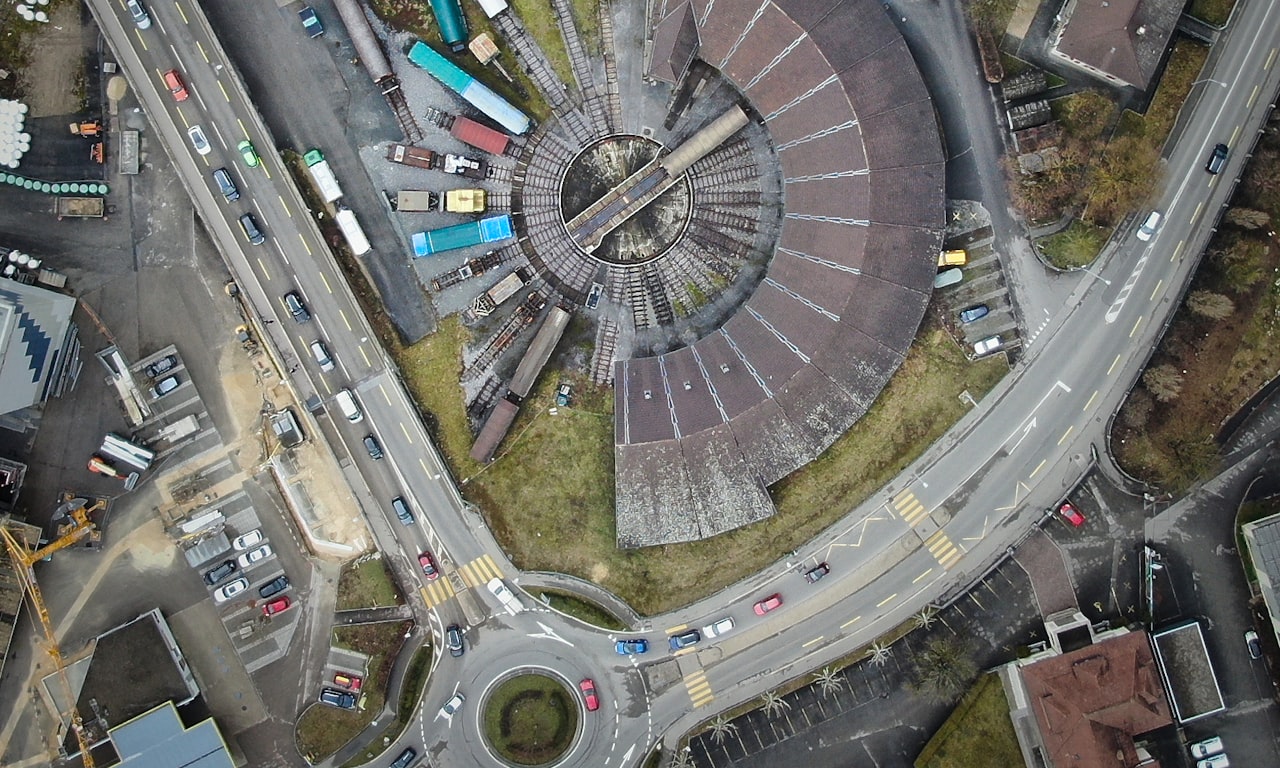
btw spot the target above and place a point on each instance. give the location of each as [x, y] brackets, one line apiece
[683, 759]
[879, 653]
[774, 704]
[830, 681]
[926, 617]
[944, 668]
[721, 728]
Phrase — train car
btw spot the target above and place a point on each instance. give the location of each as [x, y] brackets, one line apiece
[473, 91]
[323, 176]
[453, 26]
[480, 136]
[352, 231]
[488, 230]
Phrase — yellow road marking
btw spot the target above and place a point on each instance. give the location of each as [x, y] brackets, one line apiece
[200, 48]
[289, 213]
[850, 621]
[303, 240]
[811, 642]
[1091, 399]
[1065, 435]
[1135, 326]
[181, 13]
[1156, 290]
[882, 603]
[343, 315]
[1039, 467]
[1114, 363]
[325, 280]
[921, 576]
[263, 267]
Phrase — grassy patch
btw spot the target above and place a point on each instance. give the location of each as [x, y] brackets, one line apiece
[415, 680]
[1076, 246]
[977, 734]
[323, 730]
[540, 21]
[367, 584]
[581, 609]
[530, 719]
[1215, 12]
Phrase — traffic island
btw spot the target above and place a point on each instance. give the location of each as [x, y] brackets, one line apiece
[530, 719]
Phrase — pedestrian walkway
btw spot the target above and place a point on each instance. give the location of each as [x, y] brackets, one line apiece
[1051, 583]
[482, 570]
[436, 592]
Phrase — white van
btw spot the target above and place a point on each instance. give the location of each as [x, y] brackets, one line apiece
[348, 405]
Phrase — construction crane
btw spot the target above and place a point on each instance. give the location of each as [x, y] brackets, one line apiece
[23, 560]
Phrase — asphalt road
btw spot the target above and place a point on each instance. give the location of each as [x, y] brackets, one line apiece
[931, 532]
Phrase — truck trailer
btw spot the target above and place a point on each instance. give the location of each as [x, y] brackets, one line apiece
[323, 176]
[81, 207]
[352, 231]
[488, 230]
[455, 201]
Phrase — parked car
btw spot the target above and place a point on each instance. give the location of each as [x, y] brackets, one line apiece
[1150, 226]
[198, 140]
[350, 682]
[336, 698]
[974, 313]
[815, 574]
[161, 366]
[247, 540]
[164, 387]
[453, 640]
[248, 153]
[297, 307]
[222, 571]
[987, 345]
[428, 565]
[405, 758]
[684, 640]
[1217, 160]
[226, 185]
[1217, 761]
[629, 647]
[310, 21]
[279, 605]
[770, 603]
[1210, 746]
[273, 587]
[229, 590]
[374, 448]
[453, 705]
[173, 81]
[717, 628]
[1072, 515]
[1251, 642]
[588, 688]
[139, 14]
[254, 555]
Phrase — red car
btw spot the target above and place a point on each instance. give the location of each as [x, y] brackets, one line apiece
[176, 87]
[770, 603]
[350, 682]
[588, 687]
[1071, 514]
[278, 605]
[428, 564]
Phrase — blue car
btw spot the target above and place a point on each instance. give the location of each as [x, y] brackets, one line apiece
[310, 21]
[628, 647]
[684, 640]
[976, 312]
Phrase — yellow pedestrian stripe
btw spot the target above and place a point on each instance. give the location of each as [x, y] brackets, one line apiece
[482, 570]
[436, 592]
[699, 688]
[946, 553]
[909, 508]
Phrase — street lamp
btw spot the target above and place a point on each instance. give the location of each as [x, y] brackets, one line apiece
[1209, 80]
[1090, 272]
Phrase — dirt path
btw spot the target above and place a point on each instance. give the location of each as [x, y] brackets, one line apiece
[53, 81]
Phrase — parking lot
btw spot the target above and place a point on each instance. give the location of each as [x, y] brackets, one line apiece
[979, 306]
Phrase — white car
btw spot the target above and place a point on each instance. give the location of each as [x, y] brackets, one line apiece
[509, 601]
[1150, 226]
[198, 140]
[254, 556]
[246, 540]
[987, 345]
[1217, 761]
[229, 590]
[452, 705]
[718, 628]
[1210, 746]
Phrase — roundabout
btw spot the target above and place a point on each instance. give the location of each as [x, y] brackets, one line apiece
[530, 719]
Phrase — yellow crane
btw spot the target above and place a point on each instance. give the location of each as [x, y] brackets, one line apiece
[23, 560]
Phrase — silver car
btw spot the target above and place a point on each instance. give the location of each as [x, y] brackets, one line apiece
[198, 139]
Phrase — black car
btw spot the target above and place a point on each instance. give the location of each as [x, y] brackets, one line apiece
[215, 575]
[336, 698]
[453, 639]
[161, 366]
[273, 587]
[371, 445]
[684, 639]
[406, 757]
[1217, 160]
[817, 572]
[293, 302]
[226, 185]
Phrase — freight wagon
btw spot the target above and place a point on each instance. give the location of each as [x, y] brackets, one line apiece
[489, 230]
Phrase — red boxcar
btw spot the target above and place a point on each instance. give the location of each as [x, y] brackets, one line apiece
[479, 136]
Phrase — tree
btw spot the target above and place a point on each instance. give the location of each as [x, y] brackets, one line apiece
[1212, 305]
[1247, 218]
[1164, 382]
[1137, 409]
[722, 728]
[925, 617]
[879, 653]
[683, 759]
[774, 704]
[943, 669]
[1243, 262]
[830, 681]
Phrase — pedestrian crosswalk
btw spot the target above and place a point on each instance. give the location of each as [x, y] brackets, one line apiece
[910, 508]
[943, 550]
[436, 592]
[480, 571]
[699, 689]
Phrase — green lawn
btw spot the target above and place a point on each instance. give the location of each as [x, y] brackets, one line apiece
[367, 585]
[530, 719]
[581, 609]
[978, 734]
[1076, 246]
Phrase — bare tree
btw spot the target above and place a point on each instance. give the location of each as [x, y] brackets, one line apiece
[1247, 218]
[830, 681]
[774, 704]
[1164, 382]
[722, 729]
[879, 653]
[683, 759]
[1137, 409]
[1212, 305]
[926, 616]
